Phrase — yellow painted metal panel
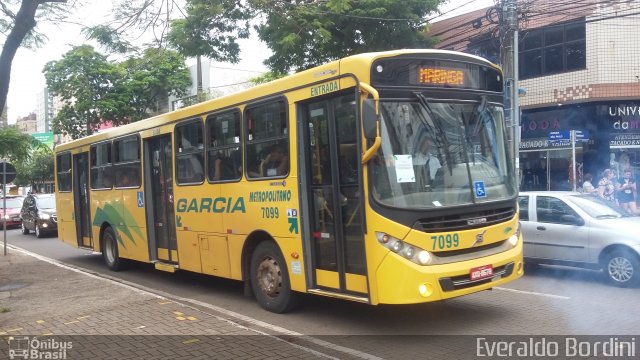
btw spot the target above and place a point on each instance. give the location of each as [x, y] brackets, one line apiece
[215, 255]
[189, 249]
[327, 278]
[163, 254]
[174, 256]
[357, 283]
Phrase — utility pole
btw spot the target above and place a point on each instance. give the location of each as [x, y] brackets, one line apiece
[509, 54]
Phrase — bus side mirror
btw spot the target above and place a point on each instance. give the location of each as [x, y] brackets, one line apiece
[369, 119]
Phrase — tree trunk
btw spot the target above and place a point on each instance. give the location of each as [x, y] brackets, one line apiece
[23, 23]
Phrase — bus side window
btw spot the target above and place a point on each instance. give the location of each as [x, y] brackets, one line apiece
[267, 145]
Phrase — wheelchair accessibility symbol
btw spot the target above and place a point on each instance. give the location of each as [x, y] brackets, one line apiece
[479, 188]
[140, 199]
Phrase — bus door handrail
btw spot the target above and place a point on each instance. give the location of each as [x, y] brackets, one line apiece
[368, 153]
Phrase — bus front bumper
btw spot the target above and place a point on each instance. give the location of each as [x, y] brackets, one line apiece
[403, 282]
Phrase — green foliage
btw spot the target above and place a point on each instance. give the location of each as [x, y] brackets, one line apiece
[85, 81]
[38, 169]
[95, 90]
[211, 28]
[266, 77]
[303, 34]
[16, 146]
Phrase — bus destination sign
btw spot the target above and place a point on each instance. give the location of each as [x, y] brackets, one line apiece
[436, 73]
[440, 76]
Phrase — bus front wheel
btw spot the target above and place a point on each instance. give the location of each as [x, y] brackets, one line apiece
[270, 279]
[110, 250]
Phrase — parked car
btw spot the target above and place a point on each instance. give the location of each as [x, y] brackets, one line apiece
[573, 229]
[39, 214]
[12, 212]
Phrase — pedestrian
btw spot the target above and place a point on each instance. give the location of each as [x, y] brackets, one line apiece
[626, 189]
[587, 186]
[606, 187]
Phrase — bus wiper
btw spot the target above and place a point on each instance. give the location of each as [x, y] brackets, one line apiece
[478, 116]
[436, 128]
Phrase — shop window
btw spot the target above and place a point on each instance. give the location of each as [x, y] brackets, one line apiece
[101, 169]
[189, 153]
[127, 162]
[63, 165]
[552, 50]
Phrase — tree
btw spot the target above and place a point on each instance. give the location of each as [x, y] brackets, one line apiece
[20, 28]
[16, 146]
[303, 34]
[95, 90]
[36, 171]
[84, 80]
[149, 81]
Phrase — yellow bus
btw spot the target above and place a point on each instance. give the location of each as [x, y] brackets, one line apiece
[382, 178]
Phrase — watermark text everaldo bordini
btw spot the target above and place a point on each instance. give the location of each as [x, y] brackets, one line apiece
[557, 346]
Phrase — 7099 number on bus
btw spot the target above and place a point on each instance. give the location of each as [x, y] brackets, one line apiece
[442, 242]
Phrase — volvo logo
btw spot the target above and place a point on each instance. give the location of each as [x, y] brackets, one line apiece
[479, 239]
[476, 221]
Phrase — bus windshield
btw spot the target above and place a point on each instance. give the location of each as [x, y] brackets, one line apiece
[441, 153]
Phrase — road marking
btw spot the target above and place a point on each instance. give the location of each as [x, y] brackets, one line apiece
[533, 293]
[72, 322]
[190, 341]
[246, 319]
[40, 321]
[16, 329]
[83, 317]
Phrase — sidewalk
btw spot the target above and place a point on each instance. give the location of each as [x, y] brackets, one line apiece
[39, 299]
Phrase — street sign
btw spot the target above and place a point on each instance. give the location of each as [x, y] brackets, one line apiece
[559, 136]
[582, 135]
[11, 173]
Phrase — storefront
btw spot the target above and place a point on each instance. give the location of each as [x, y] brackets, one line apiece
[613, 142]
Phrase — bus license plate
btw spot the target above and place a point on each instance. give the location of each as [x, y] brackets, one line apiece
[482, 272]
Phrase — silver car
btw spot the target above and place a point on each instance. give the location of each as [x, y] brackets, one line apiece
[574, 229]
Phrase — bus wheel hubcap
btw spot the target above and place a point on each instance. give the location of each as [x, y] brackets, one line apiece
[270, 277]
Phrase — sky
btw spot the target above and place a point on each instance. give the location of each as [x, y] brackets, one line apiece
[27, 79]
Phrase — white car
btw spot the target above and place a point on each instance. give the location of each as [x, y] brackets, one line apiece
[574, 229]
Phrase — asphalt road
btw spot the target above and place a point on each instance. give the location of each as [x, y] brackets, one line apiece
[546, 301]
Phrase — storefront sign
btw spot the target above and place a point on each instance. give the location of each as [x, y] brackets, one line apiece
[543, 144]
[625, 140]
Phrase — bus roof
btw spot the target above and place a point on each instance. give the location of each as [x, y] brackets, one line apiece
[266, 90]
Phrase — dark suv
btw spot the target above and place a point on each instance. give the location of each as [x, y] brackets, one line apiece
[39, 214]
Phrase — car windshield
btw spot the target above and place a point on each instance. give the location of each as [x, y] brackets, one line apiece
[12, 203]
[46, 203]
[437, 154]
[596, 207]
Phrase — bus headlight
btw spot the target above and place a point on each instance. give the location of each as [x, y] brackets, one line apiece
[410, 252]
[513, 239]
[44, 216]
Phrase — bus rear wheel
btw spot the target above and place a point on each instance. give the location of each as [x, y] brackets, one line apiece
[270, 279]
[110, 250]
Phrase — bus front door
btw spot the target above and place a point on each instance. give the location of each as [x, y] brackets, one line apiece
[82, 211]
[159, 194]
[335, 232]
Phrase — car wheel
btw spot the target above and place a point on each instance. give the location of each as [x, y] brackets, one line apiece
[25, 231]
[270, 279]
[622, 268]
[38, 232]
[110, 250]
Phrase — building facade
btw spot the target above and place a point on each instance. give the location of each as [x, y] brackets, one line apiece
[579, 63]
[45, 110]
[28, 124]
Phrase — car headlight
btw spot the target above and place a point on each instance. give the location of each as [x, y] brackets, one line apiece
[6, 216]
[410, 252]
[44, 216]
